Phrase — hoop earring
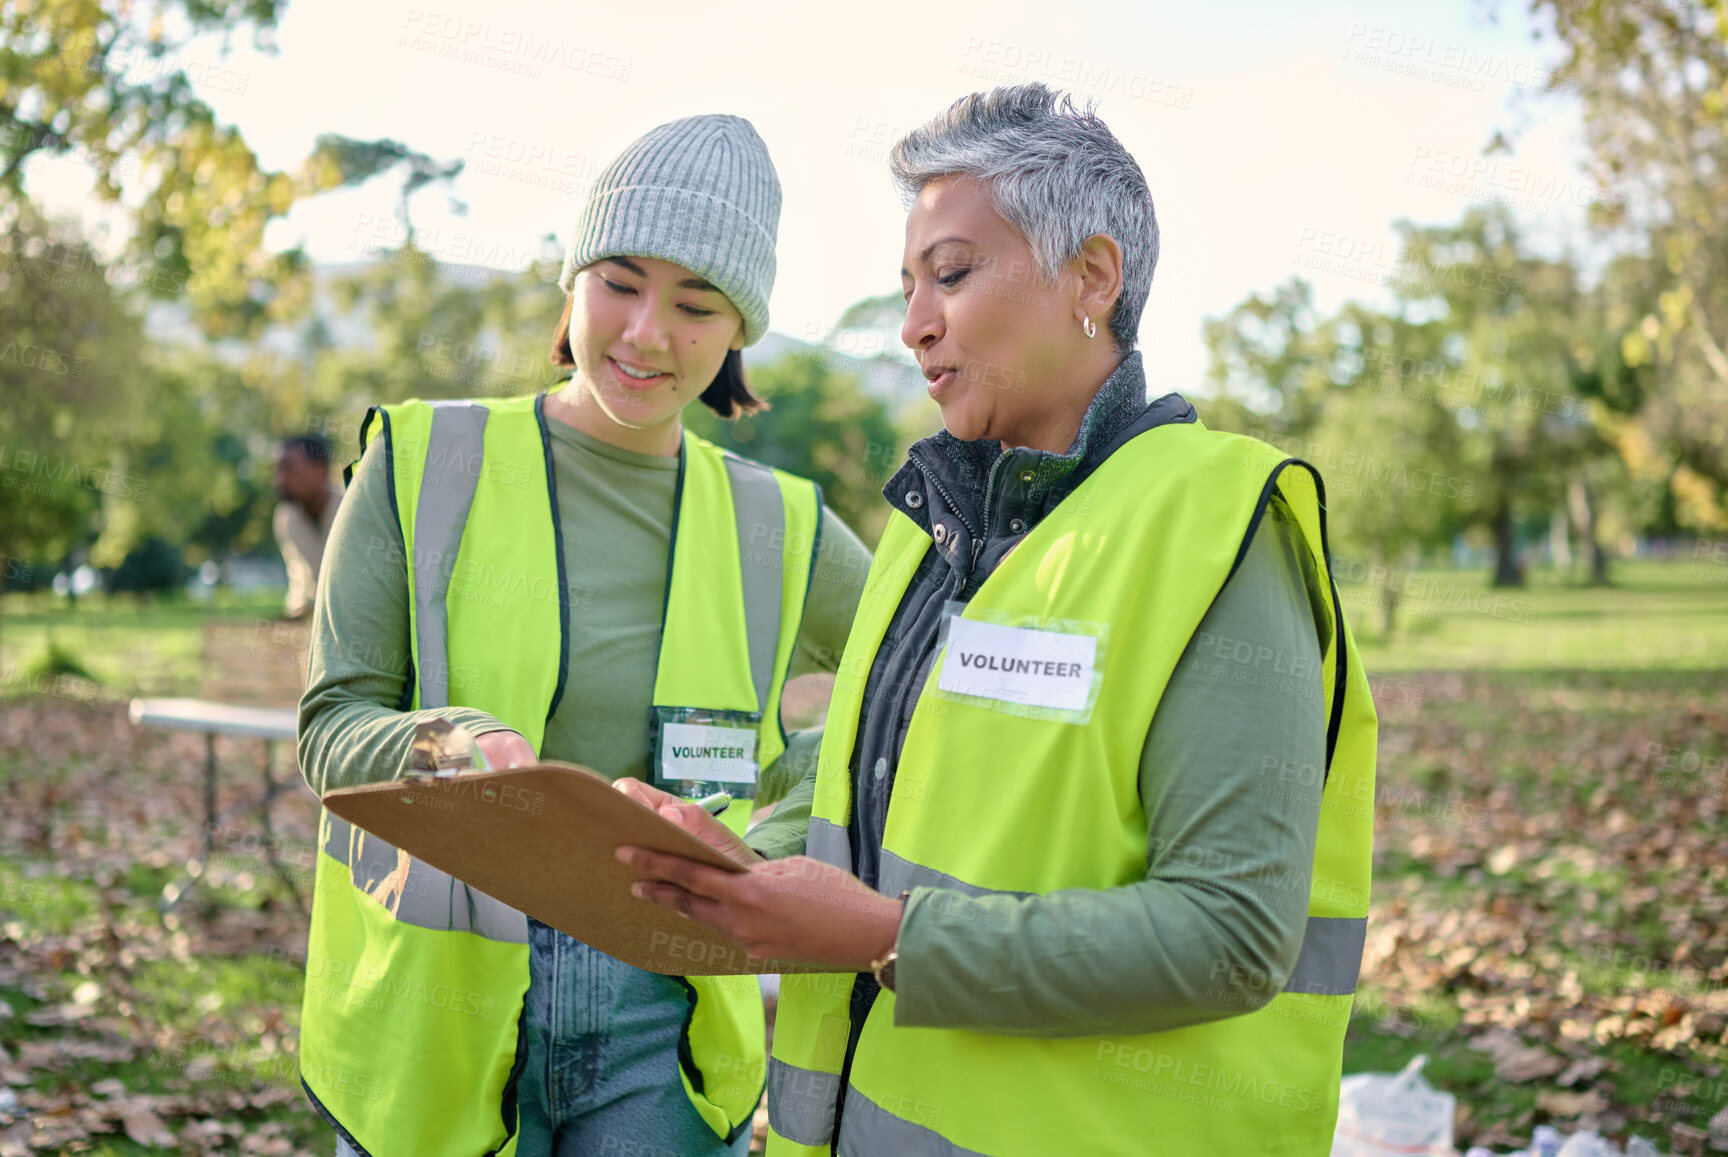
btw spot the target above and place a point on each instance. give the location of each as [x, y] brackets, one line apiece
[1090, 329]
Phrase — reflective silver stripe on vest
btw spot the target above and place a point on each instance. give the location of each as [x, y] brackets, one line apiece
[336, 843]
[900, 875]
[761, 518]
[1331, 958]
[411, 890]
[414, 892]
[868, 1130]
[455, 449]
[827, 841]
[801, 1102]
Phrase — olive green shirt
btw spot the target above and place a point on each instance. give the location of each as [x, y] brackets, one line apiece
[616, 508]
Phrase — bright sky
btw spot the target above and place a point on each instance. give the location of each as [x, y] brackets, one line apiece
[1269, 133]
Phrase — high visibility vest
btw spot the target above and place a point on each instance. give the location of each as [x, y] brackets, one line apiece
[412, 1033]
[1029, 797]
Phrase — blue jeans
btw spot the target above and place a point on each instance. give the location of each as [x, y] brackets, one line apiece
[601, 1079]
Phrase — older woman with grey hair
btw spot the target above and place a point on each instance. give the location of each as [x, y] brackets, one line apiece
[1088, 842]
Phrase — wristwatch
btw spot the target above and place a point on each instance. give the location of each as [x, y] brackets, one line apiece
[884, 969]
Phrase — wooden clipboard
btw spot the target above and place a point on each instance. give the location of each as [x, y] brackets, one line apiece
[543, 840]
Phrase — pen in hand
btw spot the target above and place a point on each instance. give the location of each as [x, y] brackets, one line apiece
[716, 803]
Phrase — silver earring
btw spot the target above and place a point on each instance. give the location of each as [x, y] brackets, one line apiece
[1087, 326]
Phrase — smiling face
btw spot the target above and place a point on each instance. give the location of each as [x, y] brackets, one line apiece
[995, 340]
[647, 337]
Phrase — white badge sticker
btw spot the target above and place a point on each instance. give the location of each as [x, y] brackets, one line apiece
[706, 751]
[1018, 664]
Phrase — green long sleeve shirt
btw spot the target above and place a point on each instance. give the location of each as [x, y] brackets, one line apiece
[1229, 779]
[616, 510]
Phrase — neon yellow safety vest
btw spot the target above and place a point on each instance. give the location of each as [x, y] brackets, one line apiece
[994, 796]
[411, 1038]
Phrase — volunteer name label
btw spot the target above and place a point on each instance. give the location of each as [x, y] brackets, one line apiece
[705, 751]
[1019, 664]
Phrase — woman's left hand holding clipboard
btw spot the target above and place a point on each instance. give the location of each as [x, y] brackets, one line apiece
[792, 909]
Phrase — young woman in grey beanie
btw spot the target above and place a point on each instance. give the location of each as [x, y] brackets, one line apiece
[593, 584]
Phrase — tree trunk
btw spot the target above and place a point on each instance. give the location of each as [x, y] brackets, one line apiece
[1506, 570]
[1559, 541]
[71, 588]
[1388, 610]
[1583, 508]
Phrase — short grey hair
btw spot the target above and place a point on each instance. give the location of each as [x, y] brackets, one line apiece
[1055, 172]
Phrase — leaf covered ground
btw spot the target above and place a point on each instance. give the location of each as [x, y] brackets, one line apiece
[1550, 917]
[1550, 922]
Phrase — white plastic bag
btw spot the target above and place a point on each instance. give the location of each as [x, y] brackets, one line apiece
[1588, 1144]
[1393, 1115]
[1548, 1141]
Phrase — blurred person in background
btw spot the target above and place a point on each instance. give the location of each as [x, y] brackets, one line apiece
[304, 516]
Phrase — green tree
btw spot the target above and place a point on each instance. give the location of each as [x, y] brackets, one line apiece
[108, 85]
[1510, 317]
[197, 447]
[869, 329]
[1273, 359]
[69, 390]
[1392, 452]
[1471, 401]
[1652, 82]
[1354, 395]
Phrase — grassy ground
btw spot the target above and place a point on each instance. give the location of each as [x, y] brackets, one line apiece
[132, 645]
[1550, 913]
[1656, 616]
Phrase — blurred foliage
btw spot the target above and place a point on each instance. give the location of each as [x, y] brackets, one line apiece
[182, 435]
[1651, 79]
[430, 332]
[1473, 402]
[819, 425]
[1532, 393]
[108, 85]
[1499, 396]
[68, 389]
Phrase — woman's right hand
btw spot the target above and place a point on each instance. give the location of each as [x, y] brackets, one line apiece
[690, 816]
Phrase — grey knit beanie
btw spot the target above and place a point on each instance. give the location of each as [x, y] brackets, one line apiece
[700, 192]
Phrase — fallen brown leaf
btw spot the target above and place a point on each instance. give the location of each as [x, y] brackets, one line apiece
[1582, 1069]
[1569, 1105]
[1516, 1061]
[145, 1127]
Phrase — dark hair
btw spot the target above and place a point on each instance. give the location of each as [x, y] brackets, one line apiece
[316, 447]
[727, 395]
